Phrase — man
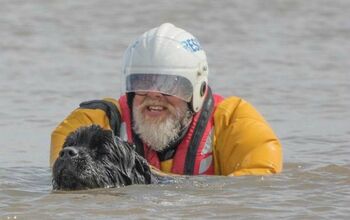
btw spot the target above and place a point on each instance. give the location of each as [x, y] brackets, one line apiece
[170, 114]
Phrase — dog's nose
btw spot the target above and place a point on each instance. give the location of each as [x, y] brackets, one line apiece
[68, 153]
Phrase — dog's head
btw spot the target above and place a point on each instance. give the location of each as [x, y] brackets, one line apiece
[93, 158]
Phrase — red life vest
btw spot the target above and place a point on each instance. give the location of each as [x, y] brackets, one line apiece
[187, 160]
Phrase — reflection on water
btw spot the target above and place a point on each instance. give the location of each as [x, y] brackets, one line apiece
[289, 58]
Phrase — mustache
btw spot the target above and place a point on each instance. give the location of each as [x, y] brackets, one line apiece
[148, 102]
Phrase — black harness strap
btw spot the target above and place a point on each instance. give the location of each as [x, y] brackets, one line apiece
[202, 122]
[111, 110]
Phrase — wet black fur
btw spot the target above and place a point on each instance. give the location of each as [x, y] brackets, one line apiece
[101, 161]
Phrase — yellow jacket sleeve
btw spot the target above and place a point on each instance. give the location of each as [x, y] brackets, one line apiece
[244, 143]
[78, 118]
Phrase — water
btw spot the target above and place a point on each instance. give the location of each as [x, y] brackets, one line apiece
[289, 58]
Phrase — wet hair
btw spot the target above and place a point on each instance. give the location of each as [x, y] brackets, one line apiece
[93, 158]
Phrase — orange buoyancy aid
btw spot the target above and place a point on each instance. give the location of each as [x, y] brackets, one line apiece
[194, 155]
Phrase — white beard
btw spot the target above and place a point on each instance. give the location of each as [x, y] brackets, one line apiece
[157, 133]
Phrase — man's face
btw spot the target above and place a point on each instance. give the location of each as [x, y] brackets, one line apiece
[159, 118]
[155, 106]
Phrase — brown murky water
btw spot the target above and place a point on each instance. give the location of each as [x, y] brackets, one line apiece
[289, 58]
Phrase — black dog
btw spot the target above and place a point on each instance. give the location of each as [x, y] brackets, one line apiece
[93, 158]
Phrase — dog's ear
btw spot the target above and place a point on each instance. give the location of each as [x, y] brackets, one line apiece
[124, 153]
[142, 170]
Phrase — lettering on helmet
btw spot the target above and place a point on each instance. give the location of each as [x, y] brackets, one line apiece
[191, 45]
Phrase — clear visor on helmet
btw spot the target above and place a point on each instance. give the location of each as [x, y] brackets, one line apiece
[166, 84]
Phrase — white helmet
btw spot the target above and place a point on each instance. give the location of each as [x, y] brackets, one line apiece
[168, 60]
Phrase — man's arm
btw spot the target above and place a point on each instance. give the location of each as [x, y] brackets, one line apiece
[245, 144]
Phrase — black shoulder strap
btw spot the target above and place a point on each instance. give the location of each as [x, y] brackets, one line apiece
[207, 109]
[111, 110]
